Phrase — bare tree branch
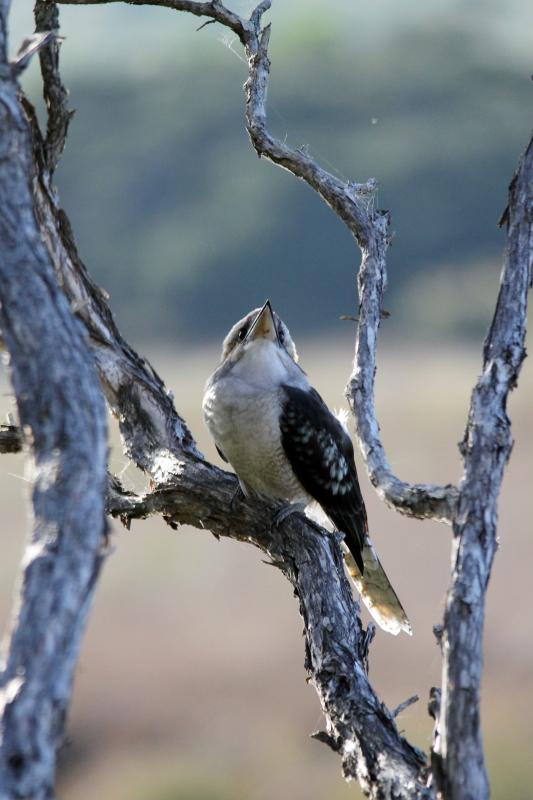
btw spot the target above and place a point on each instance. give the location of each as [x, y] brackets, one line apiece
[401, 707]
[189, 490]
[63, 416]
[214, 9]
[31, 45]
[353, 203]
[361, 727]
[153, 434]
[199, 494]
[418, 500]
[157, 447]
[55, 93]
[486, 448]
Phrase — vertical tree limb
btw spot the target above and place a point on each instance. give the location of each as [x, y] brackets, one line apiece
[55, 94]
[417, 500]
[486, 448]
[63, 415]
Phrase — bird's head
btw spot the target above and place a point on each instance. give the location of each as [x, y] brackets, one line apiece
[262, 325]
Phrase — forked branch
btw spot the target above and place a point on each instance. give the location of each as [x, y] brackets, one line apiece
[349, 201]
[188, 490]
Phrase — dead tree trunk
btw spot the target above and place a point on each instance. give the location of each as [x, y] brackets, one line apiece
[62, 415]
[49, 332]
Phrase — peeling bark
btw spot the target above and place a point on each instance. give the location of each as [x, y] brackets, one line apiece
[486, 449]
[63, 417]
[359, 727]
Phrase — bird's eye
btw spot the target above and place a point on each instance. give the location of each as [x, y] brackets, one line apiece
[242, 332]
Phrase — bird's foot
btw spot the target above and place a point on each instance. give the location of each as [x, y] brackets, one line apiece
[285, 512]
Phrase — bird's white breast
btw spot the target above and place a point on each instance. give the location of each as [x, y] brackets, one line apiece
[242, 409]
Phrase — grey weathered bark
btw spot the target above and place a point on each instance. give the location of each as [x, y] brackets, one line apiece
[460, 770]
[63, 418]
[188, 490]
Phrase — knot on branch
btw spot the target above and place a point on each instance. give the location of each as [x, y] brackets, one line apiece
[334, 742]
[435, 695]
[11, 439]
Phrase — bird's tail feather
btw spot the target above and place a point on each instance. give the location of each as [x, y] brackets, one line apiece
[374, 587]
[376, 591]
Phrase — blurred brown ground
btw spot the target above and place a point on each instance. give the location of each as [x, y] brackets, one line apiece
[191, 685]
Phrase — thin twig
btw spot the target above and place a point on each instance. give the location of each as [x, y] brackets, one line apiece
[54, 92]
[406, 703]
[214, 9]
[27, 50]
[205, 24]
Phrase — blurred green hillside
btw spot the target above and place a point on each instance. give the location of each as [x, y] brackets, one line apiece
[186, 229]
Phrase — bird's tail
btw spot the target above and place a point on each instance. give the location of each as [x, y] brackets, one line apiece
[374, 587]
[376, 591]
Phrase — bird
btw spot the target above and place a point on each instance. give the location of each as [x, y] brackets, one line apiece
[282, 440]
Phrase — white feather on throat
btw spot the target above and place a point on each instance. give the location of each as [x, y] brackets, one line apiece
[265, 364]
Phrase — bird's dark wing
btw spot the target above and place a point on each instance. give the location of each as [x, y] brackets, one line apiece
[321, 454]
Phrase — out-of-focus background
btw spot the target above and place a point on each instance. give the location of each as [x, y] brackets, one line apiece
[191, 683]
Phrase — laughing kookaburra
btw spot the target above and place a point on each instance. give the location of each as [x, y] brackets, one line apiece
[284, 442]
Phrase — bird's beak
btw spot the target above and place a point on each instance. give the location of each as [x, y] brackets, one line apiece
[264, 326]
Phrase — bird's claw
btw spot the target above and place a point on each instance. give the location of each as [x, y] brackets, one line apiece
[287, 511]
